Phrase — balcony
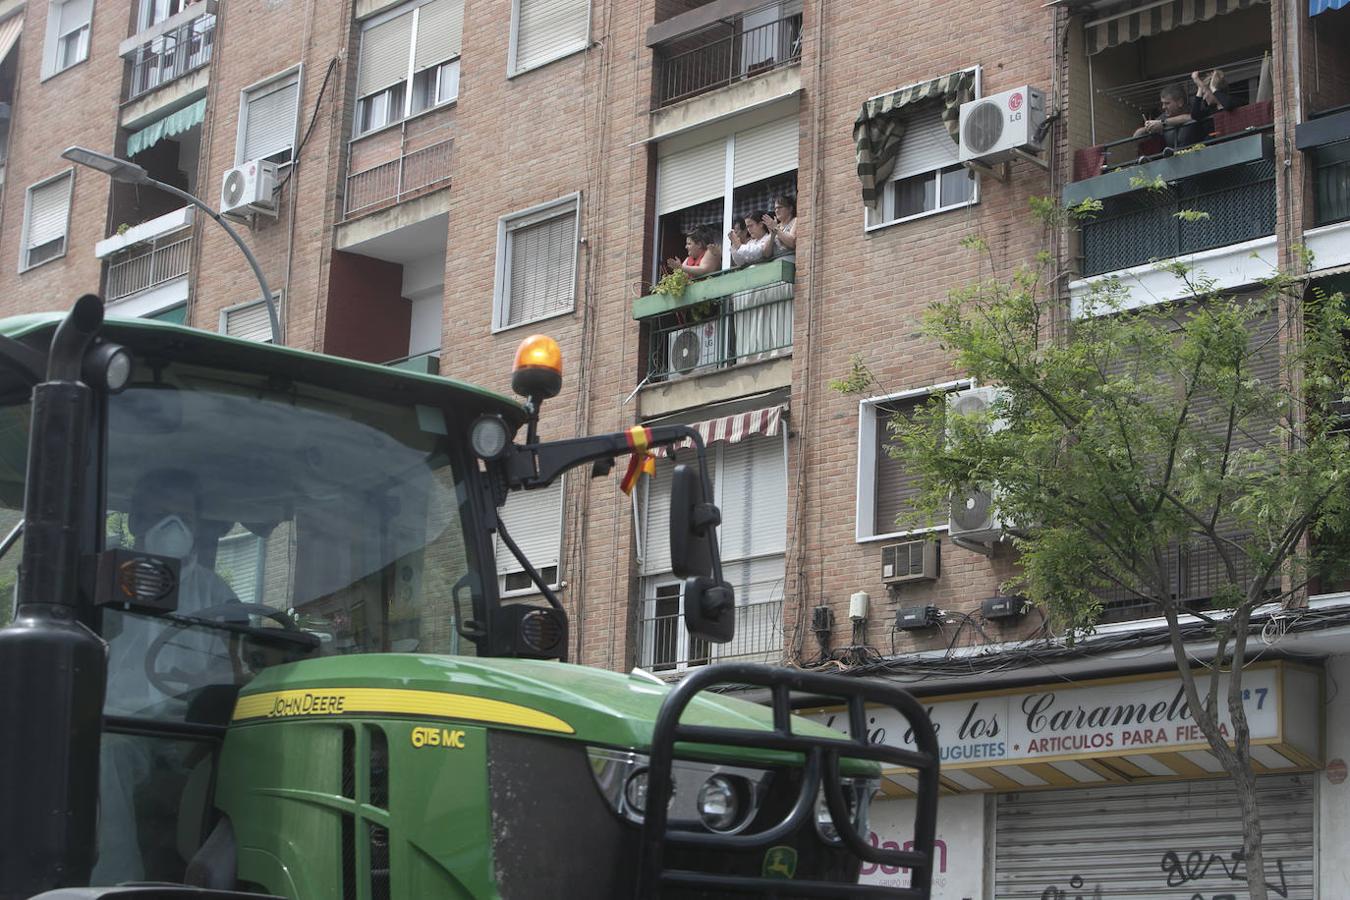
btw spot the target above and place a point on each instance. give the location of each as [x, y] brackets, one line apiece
[734, 317]
[428, 363]
[413, 173]
[707, 48]
[1231, 179]
[184, 47]
[1326, 137]
[148, 266]
[665, 647]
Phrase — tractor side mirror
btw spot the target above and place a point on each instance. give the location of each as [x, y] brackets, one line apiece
[709, 603]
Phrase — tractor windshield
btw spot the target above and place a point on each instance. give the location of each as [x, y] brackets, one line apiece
[308, 522]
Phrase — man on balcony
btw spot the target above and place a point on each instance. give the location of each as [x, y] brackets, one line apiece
[1174, 123]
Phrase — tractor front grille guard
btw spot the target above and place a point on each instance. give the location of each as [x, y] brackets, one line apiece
[822, 756]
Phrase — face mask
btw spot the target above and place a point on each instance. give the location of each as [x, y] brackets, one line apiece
[169, 537]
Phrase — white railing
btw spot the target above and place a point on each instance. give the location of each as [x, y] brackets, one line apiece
[148, 266]
[394, 181]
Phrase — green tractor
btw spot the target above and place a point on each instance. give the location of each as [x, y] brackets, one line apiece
[258, 648]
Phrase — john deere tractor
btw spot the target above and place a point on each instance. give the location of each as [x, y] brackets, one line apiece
[259, 648]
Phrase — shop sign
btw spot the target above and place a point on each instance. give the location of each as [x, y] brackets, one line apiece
[958, 856]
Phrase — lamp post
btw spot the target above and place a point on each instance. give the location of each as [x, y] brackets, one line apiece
[129, 173]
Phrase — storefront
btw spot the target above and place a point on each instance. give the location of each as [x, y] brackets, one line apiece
[1107, 788]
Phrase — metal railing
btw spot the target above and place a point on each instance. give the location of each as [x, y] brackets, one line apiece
[665, 646]
[746, 327]
[1196, 574]
[1138, 227]
[427, 363]
[716, 56]
[397, 180]
[173, 55]
[149, 266]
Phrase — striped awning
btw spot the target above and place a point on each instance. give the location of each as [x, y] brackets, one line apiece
[733, 429]
[9, 34]
[1132, 21]
[1321, 6]
[174, 123]
[880, 125]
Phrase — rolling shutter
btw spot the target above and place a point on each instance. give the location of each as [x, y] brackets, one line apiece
[440, 25]
[765, 151]
[926, 145]
[1143, 842]
[249, 322]
[239, 559]
[534, 521]
[549, 29]
[542, 257]
[655, 512]
[384, 54]
[691, 176]
[753, 491]
[269, 119]
[48, 208]
[897, 487]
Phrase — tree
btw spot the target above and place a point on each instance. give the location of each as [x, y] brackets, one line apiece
[1125, 437]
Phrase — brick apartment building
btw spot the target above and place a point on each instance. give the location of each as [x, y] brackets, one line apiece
[425, 182]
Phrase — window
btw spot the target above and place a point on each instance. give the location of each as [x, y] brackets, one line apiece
[534, 521]
[536, 263]
[46, 218]
[886, 489]
[268, 115]
[249, 321]
[545, 30]
[927, 177]
[409, 62]
[750, 487]
[152, 12]
[67, 35]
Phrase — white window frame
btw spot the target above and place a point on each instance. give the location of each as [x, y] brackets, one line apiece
[501, 290]
[866, 488]
[512, 69]
[410, 77]
[27, 214]
[276, 299]
[51, 51]
[276, 82]
[886, 200]
[557, 583]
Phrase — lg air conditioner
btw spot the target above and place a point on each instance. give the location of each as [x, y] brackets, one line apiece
[994, 129]
[249, 188]
[694, 347]
[974, 520]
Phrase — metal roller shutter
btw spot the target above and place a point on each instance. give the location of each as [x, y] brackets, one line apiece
[48, 206]
[440, 25]
[534, 521]
[691, 176]
[270, 118]
[549, 29]
[1151, 841]
[252, 322]
[384, 54]
[765, 151]
[925, 146]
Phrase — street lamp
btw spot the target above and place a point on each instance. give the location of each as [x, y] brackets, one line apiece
[129, 173]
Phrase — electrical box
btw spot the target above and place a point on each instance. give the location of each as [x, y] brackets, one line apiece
[1005, 608]
[913, 618]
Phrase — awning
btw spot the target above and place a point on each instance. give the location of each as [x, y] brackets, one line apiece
[880, 126]
[1132, 21]
[174, 123]
[1321, 6]
[9, 35]
[733, 429]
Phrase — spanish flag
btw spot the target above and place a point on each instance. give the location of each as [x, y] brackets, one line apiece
[641, 460]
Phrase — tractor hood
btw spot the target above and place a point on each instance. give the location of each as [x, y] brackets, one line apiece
[591, 705]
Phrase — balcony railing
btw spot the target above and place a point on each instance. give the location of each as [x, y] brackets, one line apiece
[738, 316]
[665, 646]
[397, 180]
[724, 53]
[172, 55]
[428, 363]
[149, 266]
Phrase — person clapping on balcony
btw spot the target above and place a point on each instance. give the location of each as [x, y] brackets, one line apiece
[704, 256]
[1174, 122]
[752, 242]
[783, 226]
[1211, 96]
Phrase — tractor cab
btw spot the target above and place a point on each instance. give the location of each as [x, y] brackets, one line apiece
[260, 647]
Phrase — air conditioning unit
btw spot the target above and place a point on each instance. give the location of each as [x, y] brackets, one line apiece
[694, 347]
[249, 188]
[909, 561]
[974, 518]
[996, 128]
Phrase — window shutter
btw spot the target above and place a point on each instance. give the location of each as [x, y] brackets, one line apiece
[239, 562]
[542, 266]
[765, 151]
[691, 176]
[755, 581]
[440, 25]
[269, 119]
[926, 145]
[655, 513]
[48, 207]
[753, 477]
[249, 322]
[548, 29]
[534, 520]
[384, 54]
[897, 487]
[74, 14]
